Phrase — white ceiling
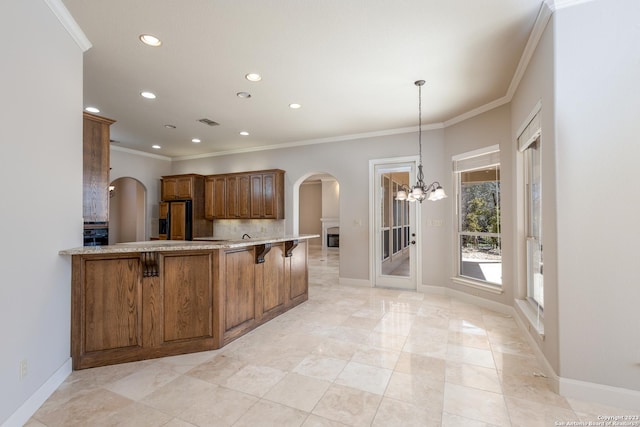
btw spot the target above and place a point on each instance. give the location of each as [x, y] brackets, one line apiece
[351, 64]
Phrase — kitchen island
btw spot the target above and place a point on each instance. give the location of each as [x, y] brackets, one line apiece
[142, 300]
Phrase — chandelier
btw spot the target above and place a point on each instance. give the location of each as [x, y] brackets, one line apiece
[420, 190]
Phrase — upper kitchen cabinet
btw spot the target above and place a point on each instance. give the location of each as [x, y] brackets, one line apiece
[215, 189]
[246, 195]
[267, 194]
[95, 160]
[181, 187]
[238, 196]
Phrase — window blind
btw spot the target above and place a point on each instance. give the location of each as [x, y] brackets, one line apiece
[477, 160]
[530, 133]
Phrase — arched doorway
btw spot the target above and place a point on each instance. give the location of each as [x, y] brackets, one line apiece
[317, 208]
[127, 211]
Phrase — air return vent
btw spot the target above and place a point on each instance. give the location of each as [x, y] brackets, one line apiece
[209, 122]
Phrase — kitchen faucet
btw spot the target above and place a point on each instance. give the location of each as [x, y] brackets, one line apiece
[245, 234]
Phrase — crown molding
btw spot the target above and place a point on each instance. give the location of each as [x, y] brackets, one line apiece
[69, 24]
[544, 15]
[477, 111]
[314, 141]
[139, 153]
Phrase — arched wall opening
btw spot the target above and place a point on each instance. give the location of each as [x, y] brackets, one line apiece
[127, 211]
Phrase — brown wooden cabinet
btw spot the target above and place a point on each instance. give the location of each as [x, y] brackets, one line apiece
[187, 295]
[259, 283]
[175, 190]
[120, 313]
[249, 195]
[214, 197]
[239, 302]
[267, 199]
[180, 187]
[142, 305]
[238, 196]
[95, 161]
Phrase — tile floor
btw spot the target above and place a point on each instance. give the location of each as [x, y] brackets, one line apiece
[347, 357]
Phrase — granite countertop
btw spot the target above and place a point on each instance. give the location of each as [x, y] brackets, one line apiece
[200, 243]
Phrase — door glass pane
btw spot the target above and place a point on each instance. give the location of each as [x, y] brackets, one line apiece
[385, 244]
[395, 225]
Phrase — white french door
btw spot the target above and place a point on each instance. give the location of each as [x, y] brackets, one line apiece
[393, 235]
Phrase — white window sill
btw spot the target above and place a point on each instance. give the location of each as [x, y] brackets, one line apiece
[535, 321]
[484, 286]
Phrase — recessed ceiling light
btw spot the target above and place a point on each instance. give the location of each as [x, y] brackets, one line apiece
[150, 40]
[253, 77]
[196, 141]
[92, 110]
[148, 95]
[157, 147]
[243, 95]
[294, 106]
[244, 133]
[170, 126]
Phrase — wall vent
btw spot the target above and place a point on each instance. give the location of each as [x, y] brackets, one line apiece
[209, 122]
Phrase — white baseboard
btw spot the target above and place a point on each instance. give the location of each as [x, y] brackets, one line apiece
[582, 390]
[364, 283]
[599, 393]
[31, 405]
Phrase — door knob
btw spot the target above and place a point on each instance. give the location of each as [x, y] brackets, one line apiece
[413, 242]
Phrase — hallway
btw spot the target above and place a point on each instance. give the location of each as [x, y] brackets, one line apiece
[349, 356]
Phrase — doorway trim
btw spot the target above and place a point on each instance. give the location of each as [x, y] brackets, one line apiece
[374, 261]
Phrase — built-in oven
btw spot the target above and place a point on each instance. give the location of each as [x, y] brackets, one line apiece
[96, 235]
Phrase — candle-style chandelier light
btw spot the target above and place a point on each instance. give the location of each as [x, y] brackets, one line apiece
[420, 190]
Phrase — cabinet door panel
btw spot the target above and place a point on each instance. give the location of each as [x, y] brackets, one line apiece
[184, 188]
[177, 221]
[257, 202]
[113, 309]
[244, 196]
[239, 287]
[273, 283]
[95, 162]
[169, 188]
[299, 275]
[187, 296]
[215, 198]
[232, 197]
[268, 195]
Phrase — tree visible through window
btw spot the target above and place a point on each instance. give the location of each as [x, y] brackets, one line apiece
[479, 240]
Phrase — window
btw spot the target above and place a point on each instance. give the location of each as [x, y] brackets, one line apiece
[529, 144]
[533, 200]
[479, 243]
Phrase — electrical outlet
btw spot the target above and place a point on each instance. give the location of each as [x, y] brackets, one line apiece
[24, 368]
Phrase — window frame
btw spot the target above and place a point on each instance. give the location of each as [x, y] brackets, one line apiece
[484, 158]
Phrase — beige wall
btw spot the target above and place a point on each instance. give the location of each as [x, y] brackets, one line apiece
[330, 198]
[311, 210]
[597, 93]
[41, 171]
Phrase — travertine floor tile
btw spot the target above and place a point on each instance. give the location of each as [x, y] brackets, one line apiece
[270, 414]
[347, 405]
[364, 377]
[298, 391]
[476, 404]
